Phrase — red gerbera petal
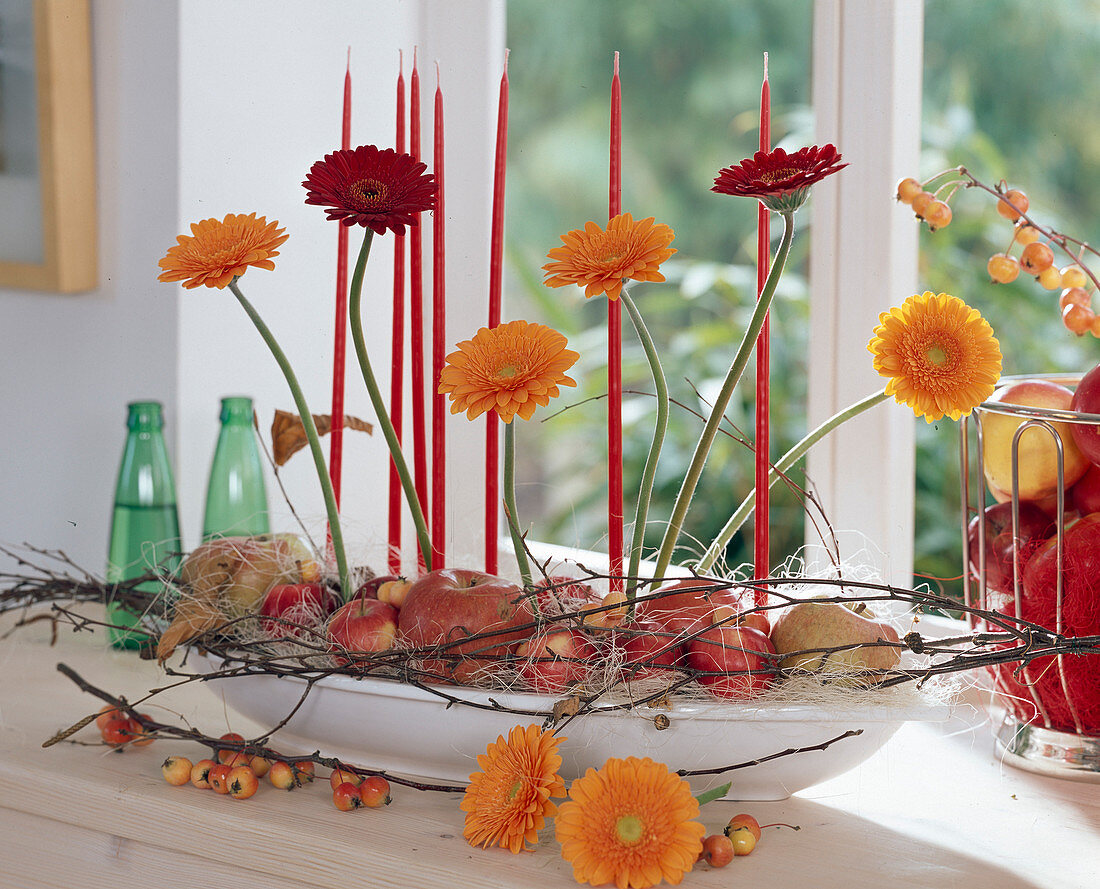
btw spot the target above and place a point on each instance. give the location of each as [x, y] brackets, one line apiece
[378, 189]
[780, 180]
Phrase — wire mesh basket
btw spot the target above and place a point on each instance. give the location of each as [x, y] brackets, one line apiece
[1044, 728]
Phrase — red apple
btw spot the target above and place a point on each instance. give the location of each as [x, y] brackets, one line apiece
[1035, 527]
[452, 604]
[1087, 400]
[1085, 495]
[647, 650]
[732, 661]
[362, 625]
[687, 606]
[1038, 466]
[554, 660]
[308, 604]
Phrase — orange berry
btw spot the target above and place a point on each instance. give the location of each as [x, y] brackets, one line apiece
[225, 754]
[375, 792]
[176, 770]
[1095, 328]
[345, 796]
[1076, 296]
[281, 775]
[1002, 268]
[908, 189]
[119, 730]
[1026, 234]
[304, 771]
[106, 712]
[1050, 278]
[1017, 203]
[219, 778]
[259, 765]
[717, 850]
[937, 215]
[236, 758]
[343, 776]
[1036, 257]
[1078, 319]
[242, 782]
[200, 773]
[1074, 276]
[744, 841]
[921, 201]
[743, 822]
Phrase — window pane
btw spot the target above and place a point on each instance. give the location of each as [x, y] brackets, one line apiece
[1016, 108]
[691, 89]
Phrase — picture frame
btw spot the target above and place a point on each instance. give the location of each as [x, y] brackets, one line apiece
[47, 147]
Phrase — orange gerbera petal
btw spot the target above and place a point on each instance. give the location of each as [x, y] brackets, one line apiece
[940, 355]
[600, 260]
[630, 823]
[508, 801]
[217, 252]
[511, 369]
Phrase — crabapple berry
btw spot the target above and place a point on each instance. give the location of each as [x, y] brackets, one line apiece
[1017, 204]
[743, 840]
[937, 215]
[1003, 268]
[176, 770]
[1036, 257]
[343, 776]
[1077, 319]
[743, 822]
[1050, 279]
[219, 778]
[921, 201]
[304, 771]
[225, 754]
[908, 189]
[345, 796]
[106, 712]
[259, 765]
[200, 773]
[717, 850]
[1026, 234]
[118, 731]
[1076, 296]
[1074, 276]
[375, 792]
[242, 782]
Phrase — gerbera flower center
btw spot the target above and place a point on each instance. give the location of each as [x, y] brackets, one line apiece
[779, 175]
[629, 830]
[507, 371]
[368, 192]
[936, 355]
[515, 789]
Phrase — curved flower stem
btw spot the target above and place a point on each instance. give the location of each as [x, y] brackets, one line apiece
[645, 490]
[510, 502]
[311, 434]
[702, 449]
[781, 466]
[355, 304]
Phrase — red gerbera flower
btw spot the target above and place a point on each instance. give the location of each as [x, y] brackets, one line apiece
[374, 188]
[779, 180]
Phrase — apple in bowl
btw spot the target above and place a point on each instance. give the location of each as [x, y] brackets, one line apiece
[732, 661]
[553, 661]
[687, 606]
[1000, 547]
[447, 606]
[295, 610]
[1038, 456]
[362, 626]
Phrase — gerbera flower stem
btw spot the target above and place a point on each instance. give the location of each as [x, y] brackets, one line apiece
[783, 465]
[355, 302]
[311, 434]
[510, 502]
[741, 359]
[645, 490]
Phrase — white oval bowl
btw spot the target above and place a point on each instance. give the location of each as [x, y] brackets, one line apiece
[389, 725]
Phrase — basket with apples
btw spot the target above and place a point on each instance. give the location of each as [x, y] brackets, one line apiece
[1034, 553]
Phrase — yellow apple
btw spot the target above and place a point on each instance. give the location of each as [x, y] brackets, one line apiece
[1038, 458]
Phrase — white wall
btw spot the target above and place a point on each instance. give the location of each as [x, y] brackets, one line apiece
[208, 107]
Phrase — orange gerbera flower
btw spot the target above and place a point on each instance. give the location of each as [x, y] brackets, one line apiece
[630, 823]
[940, 355]
[508, 801]
[601, 260]
[217, 252]
[511, 368]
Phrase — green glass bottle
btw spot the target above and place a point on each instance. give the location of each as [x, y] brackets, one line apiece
[145, 527]
[236, 500]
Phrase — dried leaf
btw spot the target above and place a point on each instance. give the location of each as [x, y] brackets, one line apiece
[565, 708]
[288, 435]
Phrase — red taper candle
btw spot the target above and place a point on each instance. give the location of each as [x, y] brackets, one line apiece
[439, 340]
[496, 268]
[340, 337]
[416, 315]
[615, 357]
[397, 350]
[761, 560]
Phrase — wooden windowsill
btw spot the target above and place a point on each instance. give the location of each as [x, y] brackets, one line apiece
[934, 808]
